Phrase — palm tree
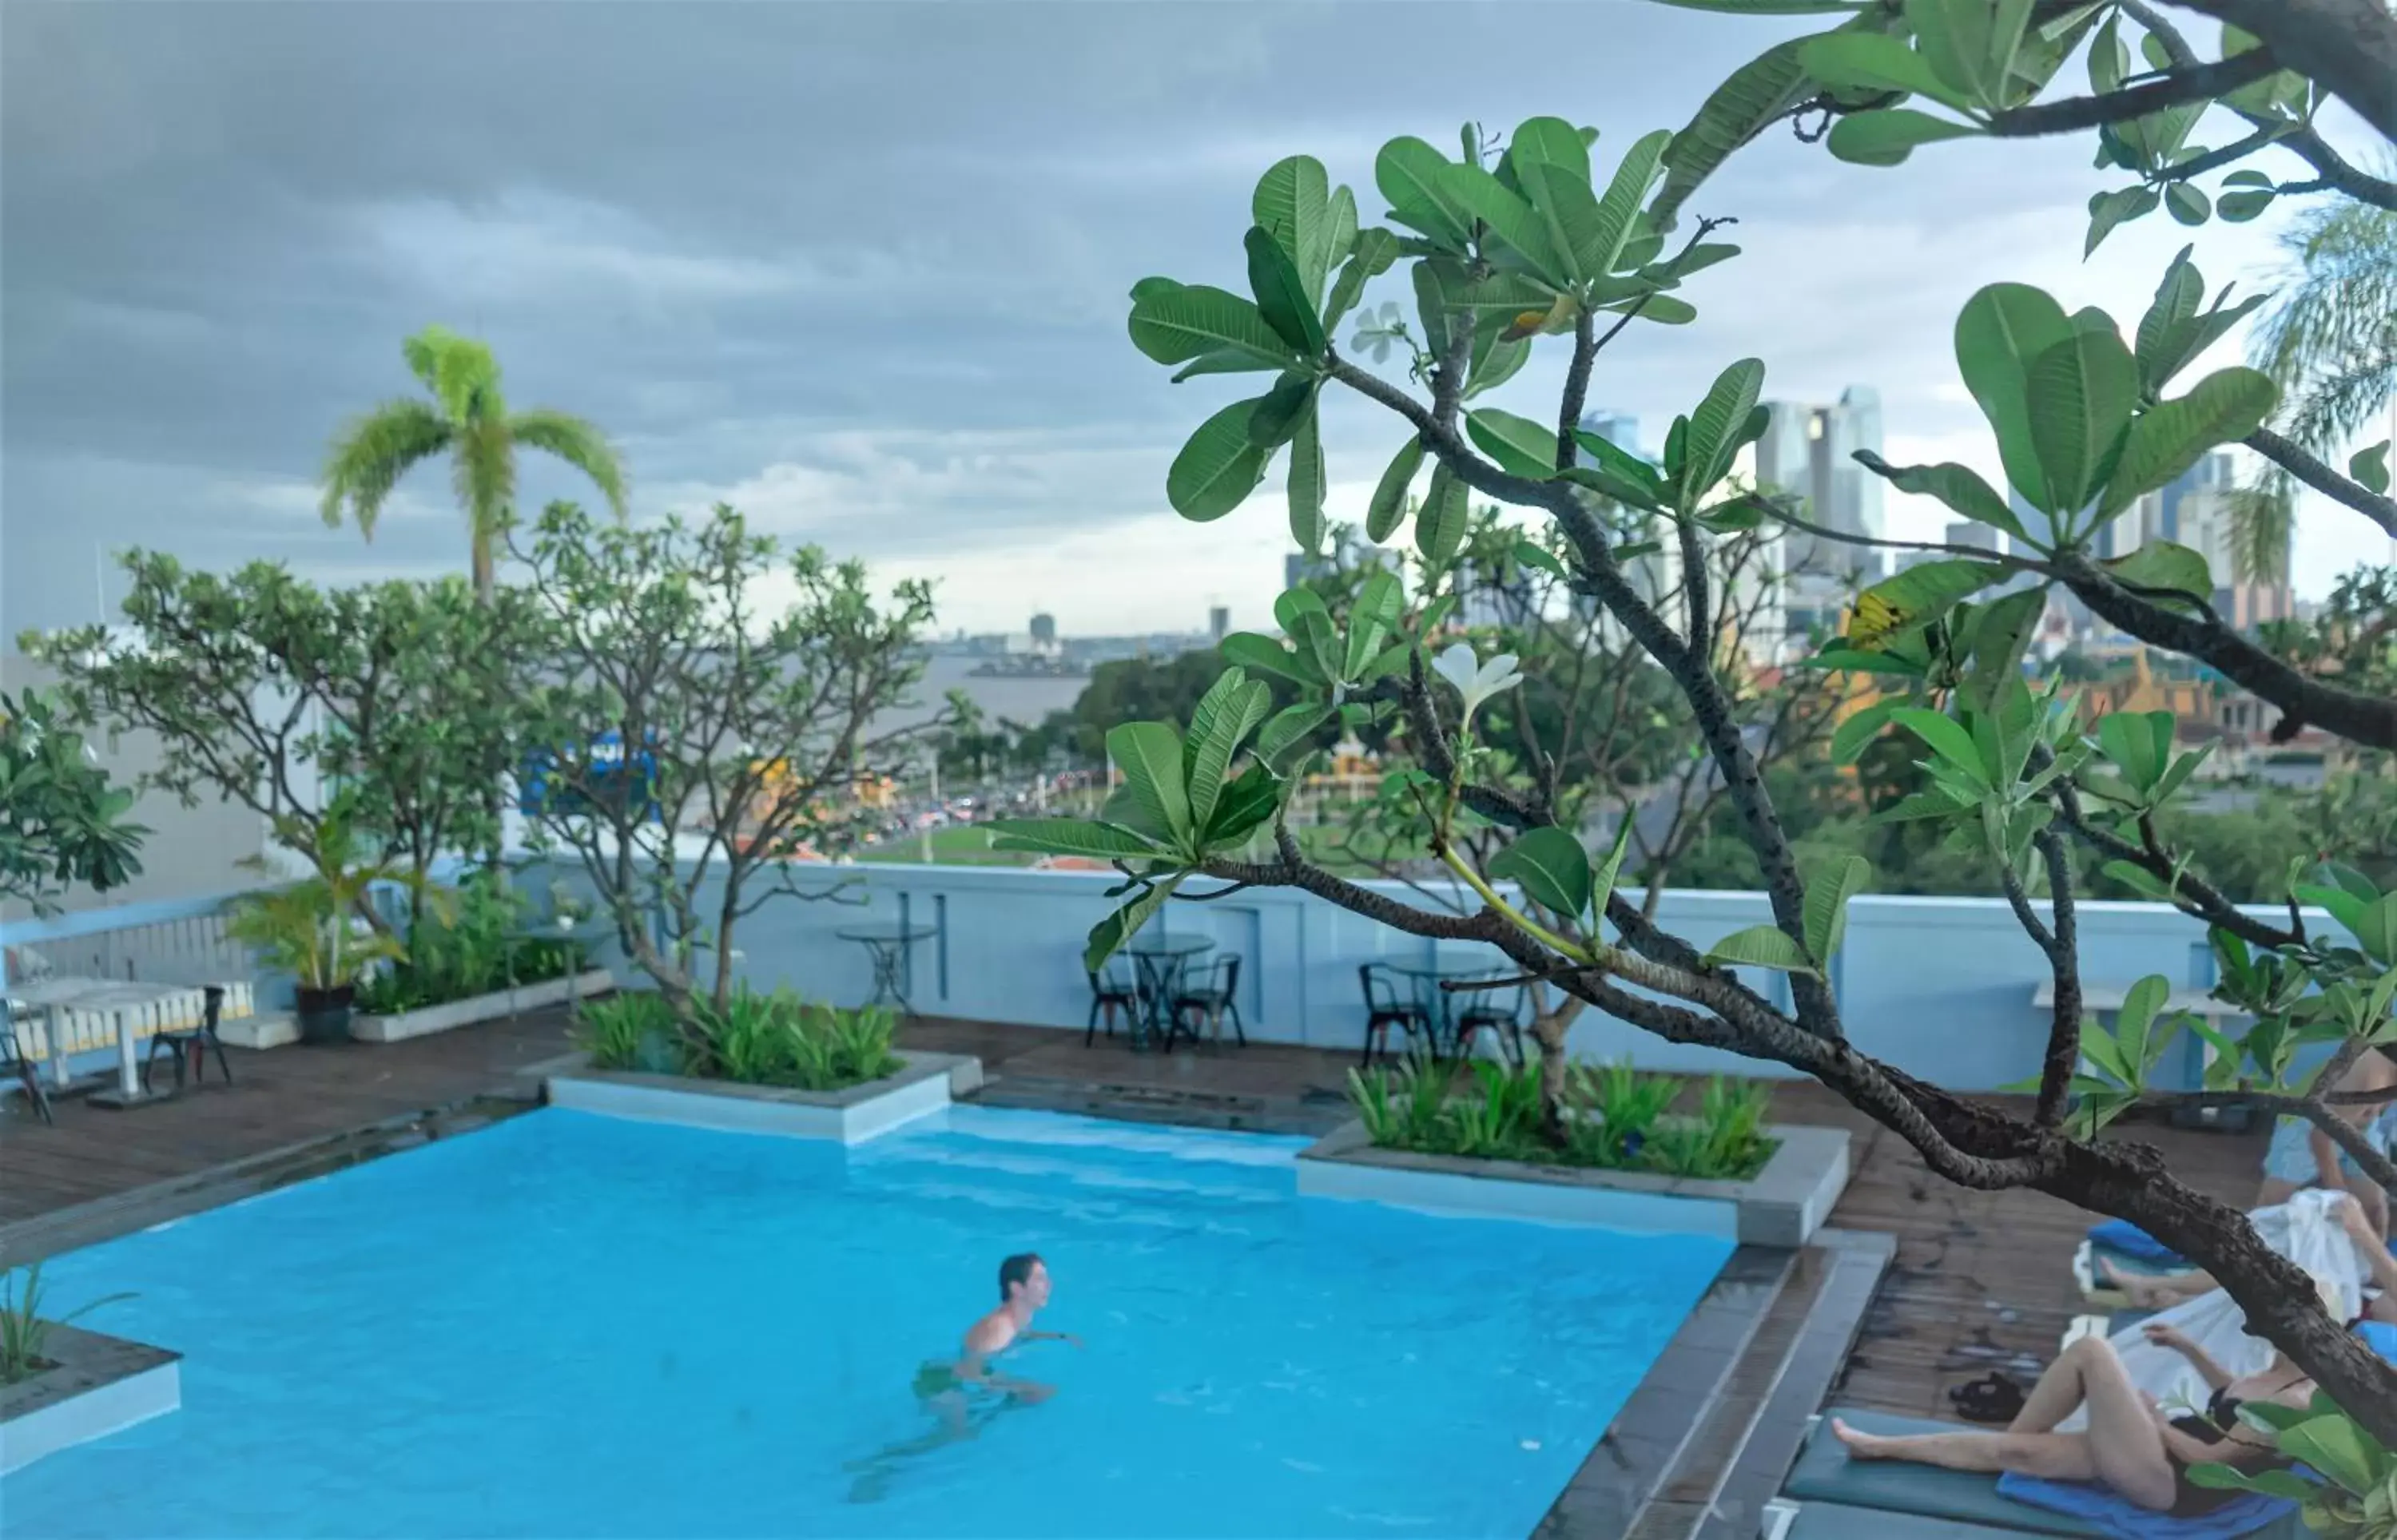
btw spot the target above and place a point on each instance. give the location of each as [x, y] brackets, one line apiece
[2330, 344]
[468, 419]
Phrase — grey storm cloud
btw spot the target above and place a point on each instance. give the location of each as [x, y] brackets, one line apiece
[864, 263]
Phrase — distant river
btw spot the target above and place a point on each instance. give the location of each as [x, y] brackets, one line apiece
[1027, 701]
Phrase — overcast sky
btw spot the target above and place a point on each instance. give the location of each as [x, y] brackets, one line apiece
[861, 270]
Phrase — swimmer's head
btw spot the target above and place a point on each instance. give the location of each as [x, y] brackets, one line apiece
[1024, 1277]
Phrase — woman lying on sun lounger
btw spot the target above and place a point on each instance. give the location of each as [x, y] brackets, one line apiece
[2162, 1292]
[2130, 1442]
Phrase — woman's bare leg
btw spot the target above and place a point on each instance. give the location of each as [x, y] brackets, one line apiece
[2123, 1446]
[2157, 1292]
[2124, 1443]
[2057, 1456]
[2273, 1193]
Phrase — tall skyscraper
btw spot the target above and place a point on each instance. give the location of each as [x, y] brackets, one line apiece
[1811, 451]
[1219, 622]
[1620, 428]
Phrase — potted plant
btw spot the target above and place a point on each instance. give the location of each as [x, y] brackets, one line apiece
[322, 943]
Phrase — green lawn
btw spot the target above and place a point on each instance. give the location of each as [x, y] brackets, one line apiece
[962, 845]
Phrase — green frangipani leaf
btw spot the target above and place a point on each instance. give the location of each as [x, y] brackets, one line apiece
[1219, 467]
[1998, 332]
[1496, 357]
[1174, 323]
[1105, 841]
[1551, 868]
[2108, 209]
[1266, 655]
[1760, 946]
[1248, 801]
[1307, 485]
[1519, 446]
[1606, 243]
[1289, 730]
[1509, 221]
[2369, 468]
[1872, 61]
[2083, 392]
[2160, 564]
[1281, 411]
[1108, 936]
[2187, 205]
[1959, 486]
[1827, 904]
[2002, 636]
[1887, 136]
[1945, 736]
[1548, 142]
[1149, 755]
[1853, 734]
[1411, 174]
[1378, 611]
[1224, 718]
[1915, 597]
[1539, 556]
[1758, 93]
[1388, 505]
[1601, 883]
[1282, 294]
[1441, 522]
[1716, 427]
[2169, 437]
[1373, 252]
[1293, 202]
[1306, 621]
[1973, 50]
[2138, 744]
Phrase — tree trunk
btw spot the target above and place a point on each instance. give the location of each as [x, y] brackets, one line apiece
[1548, 1029]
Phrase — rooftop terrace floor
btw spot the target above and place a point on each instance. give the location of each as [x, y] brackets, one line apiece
[1981, 1280]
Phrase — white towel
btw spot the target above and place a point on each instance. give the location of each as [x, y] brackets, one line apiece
[2304, 1230]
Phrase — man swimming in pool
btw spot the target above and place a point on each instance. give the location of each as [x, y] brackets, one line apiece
[943, 1385]
[1022, 1290]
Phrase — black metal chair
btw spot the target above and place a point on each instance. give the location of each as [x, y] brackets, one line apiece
[13, 1061]
[1486, 1016]
[1387, 1006]
[1209, 1003]
[1111, 990]
[198, 1040]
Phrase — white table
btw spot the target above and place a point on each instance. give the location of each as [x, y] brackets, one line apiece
[113, 998]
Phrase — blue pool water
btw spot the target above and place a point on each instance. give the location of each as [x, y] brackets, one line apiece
[567, 1325]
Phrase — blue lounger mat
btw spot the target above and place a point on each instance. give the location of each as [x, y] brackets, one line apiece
[1824, 1474]
[2128, 1240]
[2247, 1514]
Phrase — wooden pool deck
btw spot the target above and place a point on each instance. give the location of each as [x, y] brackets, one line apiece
[1981, 1280]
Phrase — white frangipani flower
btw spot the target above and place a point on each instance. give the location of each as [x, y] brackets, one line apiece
[1477, 682]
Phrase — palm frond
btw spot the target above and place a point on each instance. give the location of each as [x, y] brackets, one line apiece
[460, 371]
[2263, 520]
[372, 452]
[2343, 257]
[2343, 402]
[577, 441]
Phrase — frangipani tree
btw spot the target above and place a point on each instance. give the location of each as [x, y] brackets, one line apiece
[467, 420]
[1514, 243]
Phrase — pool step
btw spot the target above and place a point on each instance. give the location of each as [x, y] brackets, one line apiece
[1741, 1448]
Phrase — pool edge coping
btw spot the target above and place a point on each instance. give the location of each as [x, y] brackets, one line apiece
[96, 1385]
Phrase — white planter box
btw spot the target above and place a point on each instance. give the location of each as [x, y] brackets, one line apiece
[920, 1088]
[100, 1384]
[1783, 1205]
[487, 1007]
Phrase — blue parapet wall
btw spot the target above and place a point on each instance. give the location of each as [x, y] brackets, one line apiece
[1939, 987]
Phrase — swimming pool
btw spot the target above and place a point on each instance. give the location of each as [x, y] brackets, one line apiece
[570, 1326]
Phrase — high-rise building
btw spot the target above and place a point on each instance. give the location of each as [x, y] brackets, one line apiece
[1811, 451]
[1044, 632]
[1980, 536]
[1219, 622]
[1620, 428]
[2194, 510]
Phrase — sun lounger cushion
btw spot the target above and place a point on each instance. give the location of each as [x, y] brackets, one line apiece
[1838, 1522]
[2146, 1267]
[2128, 1240]
[2117, 1515]
[1824, 1473]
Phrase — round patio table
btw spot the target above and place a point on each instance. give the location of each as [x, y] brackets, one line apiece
[584, 935]
[888, 945]
[1426, 977]
[1159, 964]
